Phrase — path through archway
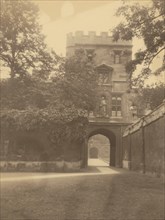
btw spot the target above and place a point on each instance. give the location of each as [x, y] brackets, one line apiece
[98, 150]
[102, 146]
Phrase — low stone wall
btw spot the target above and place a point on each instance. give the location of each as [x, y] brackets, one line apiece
[40, 166]
[143, 144]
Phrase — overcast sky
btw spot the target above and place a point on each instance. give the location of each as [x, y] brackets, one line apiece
[61, 17]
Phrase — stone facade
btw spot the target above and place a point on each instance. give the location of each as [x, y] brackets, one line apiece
[110, 59]
[112, 112]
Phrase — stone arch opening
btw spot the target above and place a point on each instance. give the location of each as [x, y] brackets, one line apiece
[99, 148]
[112, 143]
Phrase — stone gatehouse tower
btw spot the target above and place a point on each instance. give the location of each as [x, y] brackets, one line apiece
[112, 112]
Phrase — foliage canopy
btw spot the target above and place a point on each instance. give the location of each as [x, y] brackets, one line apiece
[146, 23]
[44, 91]
[151, 96]
[22, 43]
[59, 105]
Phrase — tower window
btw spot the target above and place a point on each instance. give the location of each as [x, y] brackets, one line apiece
[116, 106]
[117, 59]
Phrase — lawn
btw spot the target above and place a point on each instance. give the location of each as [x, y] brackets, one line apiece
[99, 196]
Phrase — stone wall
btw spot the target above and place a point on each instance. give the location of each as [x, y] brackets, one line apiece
[154, 136]
[136, 151]
[144, 143]
[40, 166]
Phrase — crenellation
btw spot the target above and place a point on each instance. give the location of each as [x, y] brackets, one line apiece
[91, 34]
[69, 35]
[79, 34]
[104, 34]
[104, 38]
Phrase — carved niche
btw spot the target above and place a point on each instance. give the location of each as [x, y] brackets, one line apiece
[104, 74]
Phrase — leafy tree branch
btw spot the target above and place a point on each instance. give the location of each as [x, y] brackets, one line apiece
[146, 23]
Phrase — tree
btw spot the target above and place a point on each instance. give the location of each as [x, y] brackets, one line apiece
[22, 44]
[36, 105]
[75, 87]
[146, 23]
[58, 106]
[151, 96]
[32, 99]
[21, 94]
[79, 82]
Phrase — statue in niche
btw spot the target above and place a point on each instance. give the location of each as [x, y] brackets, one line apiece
[91, 114]
[103, 107]
[103, 78]
[100, 78]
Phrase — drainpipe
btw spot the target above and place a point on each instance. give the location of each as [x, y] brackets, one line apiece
[130, 149]
[143, 148]
[121, 132]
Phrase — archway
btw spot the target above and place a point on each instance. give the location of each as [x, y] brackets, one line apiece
[107, 139]
[98, 150]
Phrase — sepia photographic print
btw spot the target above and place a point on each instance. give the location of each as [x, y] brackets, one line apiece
[82, 110]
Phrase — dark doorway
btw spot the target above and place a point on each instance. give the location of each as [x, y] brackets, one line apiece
[93, 152]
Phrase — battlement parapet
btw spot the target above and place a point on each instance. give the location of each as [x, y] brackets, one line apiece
[93, 39]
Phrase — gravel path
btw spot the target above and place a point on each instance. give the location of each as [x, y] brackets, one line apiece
[100, 193]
